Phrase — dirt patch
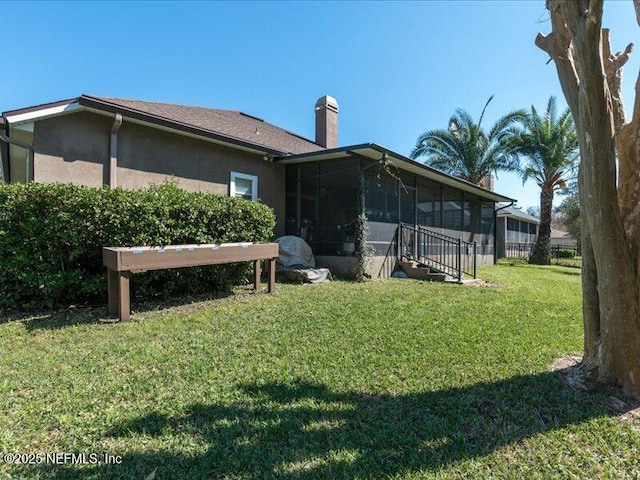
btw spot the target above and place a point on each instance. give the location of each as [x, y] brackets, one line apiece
[482, 284]
[616, 402]
[566, 361]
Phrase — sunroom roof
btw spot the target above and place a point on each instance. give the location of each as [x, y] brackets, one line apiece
[376, 152]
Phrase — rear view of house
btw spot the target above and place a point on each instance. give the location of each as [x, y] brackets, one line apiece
[516, 232]
[316, 188]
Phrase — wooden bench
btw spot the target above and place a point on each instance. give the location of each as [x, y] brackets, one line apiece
[121, 262]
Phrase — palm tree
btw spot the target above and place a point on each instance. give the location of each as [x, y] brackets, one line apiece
[465, 150]
[548, 144]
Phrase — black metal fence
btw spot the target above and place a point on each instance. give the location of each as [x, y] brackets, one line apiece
[565, 255]
[518, 250]
[568, 256]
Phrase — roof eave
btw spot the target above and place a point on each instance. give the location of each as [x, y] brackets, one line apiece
[434, 174]
[516, 216]
[38, 112]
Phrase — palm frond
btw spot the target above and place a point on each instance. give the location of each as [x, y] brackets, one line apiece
[483, 110]
[466, 150]
[547, 145]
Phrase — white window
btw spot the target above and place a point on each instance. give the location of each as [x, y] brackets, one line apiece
[244, 186]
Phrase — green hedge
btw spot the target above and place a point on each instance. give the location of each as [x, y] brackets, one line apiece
[51, 239]
[563, 253]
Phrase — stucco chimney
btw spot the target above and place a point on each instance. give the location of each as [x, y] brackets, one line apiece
[487, 182]
[327, 122]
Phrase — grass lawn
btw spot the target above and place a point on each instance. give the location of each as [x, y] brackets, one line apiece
[575, 262]
[392, 379]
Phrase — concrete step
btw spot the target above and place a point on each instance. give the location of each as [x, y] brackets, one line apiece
[421, 271]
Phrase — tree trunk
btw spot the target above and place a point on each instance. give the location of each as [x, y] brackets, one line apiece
[611, 293]
[542, 250]
[590, 301]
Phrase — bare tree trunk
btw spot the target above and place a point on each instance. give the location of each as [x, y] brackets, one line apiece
[612, 338]
[627, 141]
[542, 250]
[590, 302]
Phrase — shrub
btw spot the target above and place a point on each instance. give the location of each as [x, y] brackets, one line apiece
[563, 253]
[51, 239]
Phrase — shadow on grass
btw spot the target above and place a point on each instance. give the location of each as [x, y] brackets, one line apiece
[308, 430]
[88, 314]
[58, 318]
[564, 270]
[561, 269]
[575, 271]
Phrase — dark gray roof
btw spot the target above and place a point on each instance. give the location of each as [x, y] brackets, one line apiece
[222, 123]
[515, 213]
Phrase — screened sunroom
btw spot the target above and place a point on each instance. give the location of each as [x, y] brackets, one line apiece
[327, 190]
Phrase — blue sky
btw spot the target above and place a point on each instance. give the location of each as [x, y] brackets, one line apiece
[397, 69]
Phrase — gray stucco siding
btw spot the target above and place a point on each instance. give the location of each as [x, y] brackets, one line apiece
[75, 148]
[147, 155]
[72, 149]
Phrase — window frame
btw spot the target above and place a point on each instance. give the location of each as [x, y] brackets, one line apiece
[243, 176]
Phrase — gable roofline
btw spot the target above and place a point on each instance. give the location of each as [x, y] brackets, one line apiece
[105, 106]
[376, 152]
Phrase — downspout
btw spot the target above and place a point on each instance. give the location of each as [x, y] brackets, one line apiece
[30, 156]
[113, 161]
[495, 232]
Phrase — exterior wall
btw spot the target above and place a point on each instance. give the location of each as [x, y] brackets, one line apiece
[75, 149]
[339, 265]
[379, 267]
[147, 155]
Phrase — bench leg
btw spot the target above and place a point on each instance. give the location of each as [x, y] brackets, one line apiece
[256, 274]
[124, 296]
[118, 293]
[272, 275]
[112, 288]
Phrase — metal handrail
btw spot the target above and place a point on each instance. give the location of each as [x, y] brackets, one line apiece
[447, 237]
[436, 234]
[446, 253]
[421, 227]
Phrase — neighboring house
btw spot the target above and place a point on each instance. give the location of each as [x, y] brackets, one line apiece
[562, 239]
[516, 232]
[316, 188]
